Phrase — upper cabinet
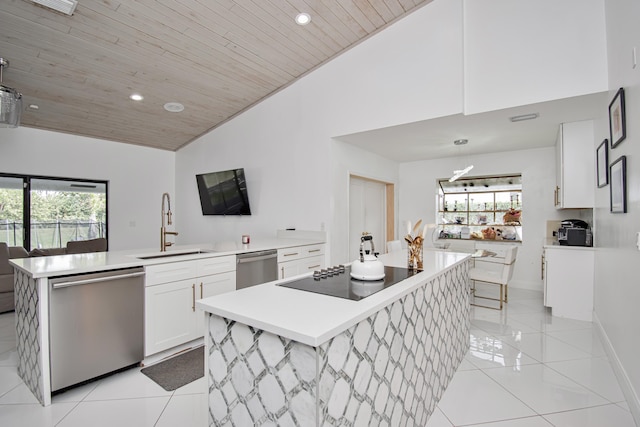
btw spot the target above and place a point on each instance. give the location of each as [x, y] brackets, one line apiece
[575, 160]
[521, 52]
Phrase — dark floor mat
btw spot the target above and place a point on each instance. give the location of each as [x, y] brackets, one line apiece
[177, 371]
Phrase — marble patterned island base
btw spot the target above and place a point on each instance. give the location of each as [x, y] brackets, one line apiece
[389, 369]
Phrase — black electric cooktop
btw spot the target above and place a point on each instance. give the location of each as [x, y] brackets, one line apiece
[342, 285]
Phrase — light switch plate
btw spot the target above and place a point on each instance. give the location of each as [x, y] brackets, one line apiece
[638, 240]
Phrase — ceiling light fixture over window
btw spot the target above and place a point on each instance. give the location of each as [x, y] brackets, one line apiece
[460, 172]
[136, 97]
[303, 18]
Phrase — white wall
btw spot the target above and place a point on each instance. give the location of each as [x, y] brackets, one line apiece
[418, 192]
[523, 52]
[297, 176]
[137, 176]
[617, 290]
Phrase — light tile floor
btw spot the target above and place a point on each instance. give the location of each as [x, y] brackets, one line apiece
[525, 368]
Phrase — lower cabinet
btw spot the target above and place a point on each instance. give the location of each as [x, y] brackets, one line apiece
[171, 291]
[213, 285]
[305, 265]
[568, 281]
[300, 259]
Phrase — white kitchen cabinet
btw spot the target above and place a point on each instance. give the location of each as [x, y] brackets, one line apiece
[169, 319]
[209, 286]
[568, 281]
[300, 259]
[575, 164]
[171, 291]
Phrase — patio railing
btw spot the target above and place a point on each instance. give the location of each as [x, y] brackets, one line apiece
[51, 234]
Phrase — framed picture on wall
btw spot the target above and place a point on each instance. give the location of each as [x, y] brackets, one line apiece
[617, 121]
[618, 187]
[602, 163]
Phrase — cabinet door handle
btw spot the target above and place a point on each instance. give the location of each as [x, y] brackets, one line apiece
[282, 272]
[193, 290]
[312, 267]
[201, 292]
[314, 250]
[291, 254]
[557, 196]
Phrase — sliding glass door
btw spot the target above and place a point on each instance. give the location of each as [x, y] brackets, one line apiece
[12, 210]
[63, 210]
[44, 213]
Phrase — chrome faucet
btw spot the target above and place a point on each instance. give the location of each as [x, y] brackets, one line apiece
[163, 230]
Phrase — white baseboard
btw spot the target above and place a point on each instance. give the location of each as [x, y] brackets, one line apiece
[152, 359]
[629, 392]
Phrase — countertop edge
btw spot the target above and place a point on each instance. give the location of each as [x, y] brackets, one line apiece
[343, 313]
[69, 264]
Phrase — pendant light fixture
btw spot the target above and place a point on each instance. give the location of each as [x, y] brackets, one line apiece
[460, 172]
[10, 102]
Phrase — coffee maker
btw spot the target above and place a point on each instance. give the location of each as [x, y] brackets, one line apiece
[574, 232]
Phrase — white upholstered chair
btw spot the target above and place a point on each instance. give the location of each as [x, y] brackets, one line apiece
[493, 270]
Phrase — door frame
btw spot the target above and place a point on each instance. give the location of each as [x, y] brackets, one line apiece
[390, 229]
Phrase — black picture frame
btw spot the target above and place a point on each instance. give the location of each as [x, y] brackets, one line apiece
[618, 185]
[602, 163]
[617, 119]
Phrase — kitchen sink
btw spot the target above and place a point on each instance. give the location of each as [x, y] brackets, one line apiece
[174, 254]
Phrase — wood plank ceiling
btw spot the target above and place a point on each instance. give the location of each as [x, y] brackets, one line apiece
[216, 57]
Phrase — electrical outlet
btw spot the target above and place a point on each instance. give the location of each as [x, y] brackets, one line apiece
[638, 240]
[634, 58]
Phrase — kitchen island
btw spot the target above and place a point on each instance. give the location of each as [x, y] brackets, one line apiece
[290, 357]
[33, 291]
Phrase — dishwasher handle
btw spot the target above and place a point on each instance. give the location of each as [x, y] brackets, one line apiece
[95, 280]
[256, 256]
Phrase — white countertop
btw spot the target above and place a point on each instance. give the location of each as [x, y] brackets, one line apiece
[553, 244]
[312, 318]
[61, 265]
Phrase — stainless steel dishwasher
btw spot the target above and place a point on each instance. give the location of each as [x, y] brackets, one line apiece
[96, 324]
[254, 268]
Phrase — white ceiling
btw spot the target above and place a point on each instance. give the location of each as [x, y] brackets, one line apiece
[487, 132]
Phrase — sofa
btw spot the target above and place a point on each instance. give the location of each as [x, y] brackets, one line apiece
[7, 302]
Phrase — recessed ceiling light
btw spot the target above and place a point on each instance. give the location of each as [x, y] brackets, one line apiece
[524, 117]
[174, 107]
[136, 97]
[303, 18]
[33, 107]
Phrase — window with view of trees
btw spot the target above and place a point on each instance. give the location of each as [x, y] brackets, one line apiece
[40, 212]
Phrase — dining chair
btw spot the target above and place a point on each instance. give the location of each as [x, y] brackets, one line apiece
[496, 269]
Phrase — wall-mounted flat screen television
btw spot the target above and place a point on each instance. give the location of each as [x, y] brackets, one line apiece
[224, 193]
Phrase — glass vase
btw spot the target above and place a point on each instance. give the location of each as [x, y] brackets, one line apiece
[414, 256]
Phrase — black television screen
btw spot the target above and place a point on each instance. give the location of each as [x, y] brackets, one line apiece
[223, 193]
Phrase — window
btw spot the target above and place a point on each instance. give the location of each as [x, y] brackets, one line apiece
[42, 212]
[481, 208]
